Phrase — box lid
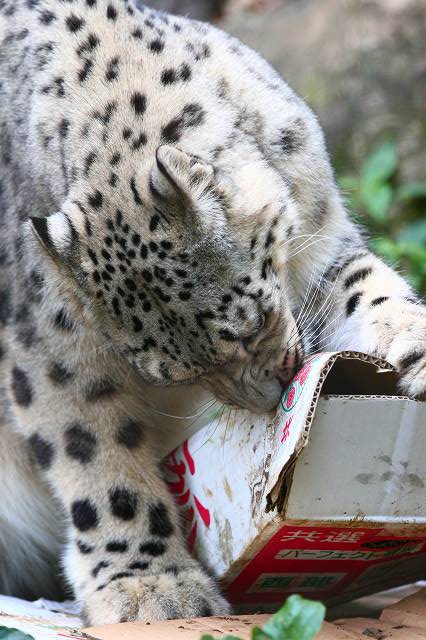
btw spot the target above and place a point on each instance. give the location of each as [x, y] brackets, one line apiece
[242, 463]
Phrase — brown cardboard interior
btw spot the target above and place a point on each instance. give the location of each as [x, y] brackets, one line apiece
[409, 611]
[359, 377]
[403, 620]
[194, 629]
[185, 629]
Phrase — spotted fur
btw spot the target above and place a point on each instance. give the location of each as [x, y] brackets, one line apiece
[168, 215]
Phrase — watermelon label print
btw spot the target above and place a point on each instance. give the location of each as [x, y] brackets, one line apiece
[286, 430]
[294, 390]
[181, 465]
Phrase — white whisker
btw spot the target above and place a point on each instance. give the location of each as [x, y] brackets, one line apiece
[313, 299]
[328, 303]
[210, 435]
[170, 415]
[304, 301]
[303, 235]
[202, 413]
[326, 327]
[303, 248]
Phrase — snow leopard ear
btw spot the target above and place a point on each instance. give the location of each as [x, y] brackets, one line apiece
[179, 179]
[56, 234]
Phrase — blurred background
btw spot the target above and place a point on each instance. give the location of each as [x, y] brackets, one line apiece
[361, 65]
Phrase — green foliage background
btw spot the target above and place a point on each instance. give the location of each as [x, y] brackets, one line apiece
[393, 213]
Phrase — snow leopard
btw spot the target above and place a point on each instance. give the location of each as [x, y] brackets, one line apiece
[169, 216]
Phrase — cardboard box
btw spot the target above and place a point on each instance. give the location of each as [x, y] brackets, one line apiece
[327, 499]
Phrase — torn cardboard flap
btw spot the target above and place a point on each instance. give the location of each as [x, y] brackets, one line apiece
[343, 452]
[192, 629]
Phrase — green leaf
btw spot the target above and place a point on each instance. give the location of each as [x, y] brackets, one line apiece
[350, 189]
[386, 248]
[259, 634]
[7, 633]
[411, 191]
[416, 255]
[377, 199]
[348, 183]
[381, 164]
[298, 619]
[414, 233]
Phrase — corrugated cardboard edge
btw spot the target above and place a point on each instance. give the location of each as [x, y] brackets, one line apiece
[278, 496]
